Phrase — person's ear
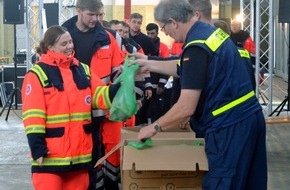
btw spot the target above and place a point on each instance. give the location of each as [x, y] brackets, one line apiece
[197, 15]
[173, 22]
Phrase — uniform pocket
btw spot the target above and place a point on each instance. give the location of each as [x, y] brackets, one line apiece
[88, 128]
[54, 132]
[219, 178]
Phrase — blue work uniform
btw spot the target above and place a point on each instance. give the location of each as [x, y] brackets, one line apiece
[228, 113]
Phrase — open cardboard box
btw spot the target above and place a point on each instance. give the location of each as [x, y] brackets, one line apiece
[176, 161]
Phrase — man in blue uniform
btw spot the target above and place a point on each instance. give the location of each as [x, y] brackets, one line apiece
[216, 90]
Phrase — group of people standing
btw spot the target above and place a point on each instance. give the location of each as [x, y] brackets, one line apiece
[67, 93]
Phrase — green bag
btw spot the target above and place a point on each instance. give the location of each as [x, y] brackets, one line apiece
[124, 104]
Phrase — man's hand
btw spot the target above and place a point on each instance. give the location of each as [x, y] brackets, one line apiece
[138, 56]
[139, 102]
[146, 132]
[159, 90]
[39, 161]
[148, 94]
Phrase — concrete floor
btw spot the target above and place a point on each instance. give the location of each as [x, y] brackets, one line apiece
[15, 164]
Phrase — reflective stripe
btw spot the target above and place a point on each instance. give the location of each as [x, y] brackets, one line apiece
[103, 92]
[154, 86]
[98, 92]
[112, 172]
[233, 104]
[107, 98]
[106, 80]
[63, 118]
[34, 113]
[195, 42]
[139, 91]
[66, 161]
[87, 70]
[98, 113]
[214, 41]
[148, 85]
[244, 53]
[162, 80]
[41, 75]
[80, 116]
[100, 184]
[115, 169]
[32, 129]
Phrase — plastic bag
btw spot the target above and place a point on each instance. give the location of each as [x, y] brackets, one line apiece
[124, 104]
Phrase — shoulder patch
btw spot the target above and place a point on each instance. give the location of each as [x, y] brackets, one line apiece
[88, 100]
[28, 89]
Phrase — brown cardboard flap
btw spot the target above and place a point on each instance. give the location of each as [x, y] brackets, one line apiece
[101, 160]
[132, 133]
[176, 129]
[178, 157]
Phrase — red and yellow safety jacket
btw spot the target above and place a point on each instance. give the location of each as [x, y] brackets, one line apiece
[58, 94]
[106, 61]
[176, 48]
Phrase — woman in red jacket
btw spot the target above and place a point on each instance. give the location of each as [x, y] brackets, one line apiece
[58, 95]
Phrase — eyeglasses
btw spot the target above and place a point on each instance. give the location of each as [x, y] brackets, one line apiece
[163, 27]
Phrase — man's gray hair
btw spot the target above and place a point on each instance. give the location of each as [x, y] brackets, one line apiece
[91, 5]
[203, 6]
[179, 10]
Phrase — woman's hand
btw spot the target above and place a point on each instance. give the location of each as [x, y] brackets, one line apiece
[39, 161]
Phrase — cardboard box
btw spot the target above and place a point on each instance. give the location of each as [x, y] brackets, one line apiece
[176, 161]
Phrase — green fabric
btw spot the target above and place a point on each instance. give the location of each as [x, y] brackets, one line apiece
[124, 104]
[141, 145]
[198, 143]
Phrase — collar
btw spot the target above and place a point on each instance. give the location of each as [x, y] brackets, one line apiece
[135, 33]
[191, 30]
[58, 59]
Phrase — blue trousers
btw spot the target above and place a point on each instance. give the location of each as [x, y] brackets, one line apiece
[237, 156]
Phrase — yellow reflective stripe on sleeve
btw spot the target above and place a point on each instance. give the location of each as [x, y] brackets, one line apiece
[34, 113]
[41, 75]
[32, 129]
[107, 98]
[80, 116]
[233, 104]
[61, 118]
[215, 40]
[244, 53]
[195, 42]
[98, 92]
[66, 161]
[87, 70]
[102, 91]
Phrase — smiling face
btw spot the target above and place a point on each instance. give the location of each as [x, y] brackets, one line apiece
[63, 44]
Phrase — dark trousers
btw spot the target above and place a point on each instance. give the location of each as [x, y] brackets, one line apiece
[237, 156]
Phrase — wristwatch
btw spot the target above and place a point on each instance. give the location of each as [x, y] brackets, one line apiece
[157, 127]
